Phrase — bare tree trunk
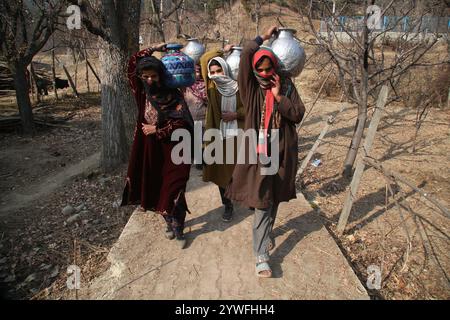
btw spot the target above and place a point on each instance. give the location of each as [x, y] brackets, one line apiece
[257, 17]
[118, 109]
[362, 109]
[23, 98]
[53, 68]
[118, 104]
[160, 26]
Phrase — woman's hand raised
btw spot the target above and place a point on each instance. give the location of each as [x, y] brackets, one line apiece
[269, 32]
[162, 47]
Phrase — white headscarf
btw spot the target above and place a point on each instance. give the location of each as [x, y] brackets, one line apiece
[227, 88]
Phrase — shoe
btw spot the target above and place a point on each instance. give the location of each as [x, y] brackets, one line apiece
[181, 242]
[180, 238]
[227, 216]
[169, 233]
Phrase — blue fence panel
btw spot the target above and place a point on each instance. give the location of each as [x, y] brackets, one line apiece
[393, 23]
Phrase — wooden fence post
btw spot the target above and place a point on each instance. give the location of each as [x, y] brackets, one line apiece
[87, 70]
[69, 78]
[93, 71]
[325, 129]
[34, 83]
[359, 169]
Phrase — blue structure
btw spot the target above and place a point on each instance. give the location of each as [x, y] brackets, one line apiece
[393, 23]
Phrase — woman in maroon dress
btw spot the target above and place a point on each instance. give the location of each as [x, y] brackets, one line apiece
[153, 180]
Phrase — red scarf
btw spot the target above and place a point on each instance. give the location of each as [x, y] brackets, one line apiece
[266, 85]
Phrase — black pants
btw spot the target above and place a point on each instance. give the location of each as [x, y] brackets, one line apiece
[176, 220]
[225, 201]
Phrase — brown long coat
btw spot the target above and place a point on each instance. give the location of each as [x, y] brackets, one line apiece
[248, 185]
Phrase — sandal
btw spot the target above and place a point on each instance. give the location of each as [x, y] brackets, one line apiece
[263, 270]
[271, 245]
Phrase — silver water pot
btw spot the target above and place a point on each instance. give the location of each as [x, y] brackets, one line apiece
[289, 51]
[194, 49]
[233, 61]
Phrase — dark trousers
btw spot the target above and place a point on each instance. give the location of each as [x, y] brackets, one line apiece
[225, 201]
[176, 220]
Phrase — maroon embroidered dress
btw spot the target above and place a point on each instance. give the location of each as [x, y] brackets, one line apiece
[153, 180]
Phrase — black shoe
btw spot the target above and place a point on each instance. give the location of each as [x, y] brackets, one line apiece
[169, 233]
[227, 216]
[181, 239]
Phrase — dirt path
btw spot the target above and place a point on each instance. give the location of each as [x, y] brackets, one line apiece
[218, 263]
[18, 200]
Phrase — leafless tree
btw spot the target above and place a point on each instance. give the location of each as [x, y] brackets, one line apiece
[367, 57]
[161, 14]
[25, 27]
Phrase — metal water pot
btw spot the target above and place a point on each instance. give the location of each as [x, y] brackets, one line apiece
[289, 51]
[194, 49]
[233, 61]
[180, 68]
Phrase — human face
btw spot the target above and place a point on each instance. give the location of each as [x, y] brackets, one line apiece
[198, 73]
[265, 68]
[216, 71]
[151, 77]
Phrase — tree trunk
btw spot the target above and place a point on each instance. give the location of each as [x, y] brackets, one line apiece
[362, 109]
[53, 68]
[159, 24]
[118, 108]
[23, 98]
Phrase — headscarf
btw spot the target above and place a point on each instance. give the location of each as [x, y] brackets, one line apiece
[168, 102]
[198, 89]
[227, 88]
[264, 81]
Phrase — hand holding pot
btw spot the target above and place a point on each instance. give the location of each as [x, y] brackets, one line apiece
[162, 47]
[269, 32]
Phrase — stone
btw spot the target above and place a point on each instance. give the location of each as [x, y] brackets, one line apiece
[73, 218]
[68, 210]
[55, 272]
[30, 278]
[80, 207]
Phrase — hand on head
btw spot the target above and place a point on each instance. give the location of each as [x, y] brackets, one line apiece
[269, 32]
[228, 47]
[161, 47]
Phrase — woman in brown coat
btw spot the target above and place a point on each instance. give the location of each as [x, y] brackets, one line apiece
[271, 102]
